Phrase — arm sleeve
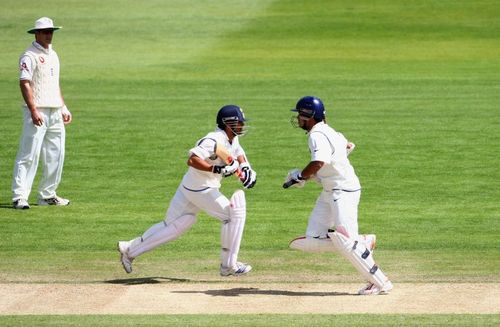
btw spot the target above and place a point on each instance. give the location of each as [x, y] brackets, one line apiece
[204, 149]
[26, 68]
[320, 147]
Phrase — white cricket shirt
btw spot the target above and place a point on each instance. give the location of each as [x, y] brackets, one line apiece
[330, 147]
[198, 180]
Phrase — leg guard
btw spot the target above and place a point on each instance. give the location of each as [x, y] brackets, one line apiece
[159, 234]
[312, 244]
[360, 257]
[232, 230]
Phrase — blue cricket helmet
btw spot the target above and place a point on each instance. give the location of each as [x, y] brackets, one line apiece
[230, 115]
[310, 106]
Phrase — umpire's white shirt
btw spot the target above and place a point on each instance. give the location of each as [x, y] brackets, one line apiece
[198, 180]
[330, 147]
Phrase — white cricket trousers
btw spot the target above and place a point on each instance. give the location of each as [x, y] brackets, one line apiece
[186, 202]
[180, 216]
[46, 142]
[334, 209]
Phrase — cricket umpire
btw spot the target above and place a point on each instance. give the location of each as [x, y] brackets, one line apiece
[333, 223]
[199, 191]
[44, 117]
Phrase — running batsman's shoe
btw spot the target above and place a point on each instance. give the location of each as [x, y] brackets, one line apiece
[238, 270]
[372, 289]
[126, 260]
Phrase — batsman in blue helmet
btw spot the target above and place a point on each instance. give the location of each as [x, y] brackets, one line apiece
[308, 107]
[213, 157]
[333, 222]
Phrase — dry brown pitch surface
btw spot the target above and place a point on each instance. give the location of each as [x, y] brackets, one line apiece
[150, 296]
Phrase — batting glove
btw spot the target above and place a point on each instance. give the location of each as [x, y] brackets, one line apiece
[227, 170]
[294, 178]
[248, 176]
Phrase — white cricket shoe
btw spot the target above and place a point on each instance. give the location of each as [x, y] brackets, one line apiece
[126, 260]
[20, 204]
[238, 270]
[54, 201]
[372, 289]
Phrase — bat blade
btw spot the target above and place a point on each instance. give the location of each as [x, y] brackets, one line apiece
[223, 153]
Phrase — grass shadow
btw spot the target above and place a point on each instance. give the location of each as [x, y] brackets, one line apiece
[6, 205]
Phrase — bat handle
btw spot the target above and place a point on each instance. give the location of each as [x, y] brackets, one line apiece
[289, 183]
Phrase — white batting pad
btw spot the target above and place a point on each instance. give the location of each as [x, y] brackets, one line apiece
[311, 244]
[232, 230]
[159, 234]
[360, 257]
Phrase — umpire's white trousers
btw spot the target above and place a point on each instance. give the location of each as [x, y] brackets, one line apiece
[44, 142]
[334, 209]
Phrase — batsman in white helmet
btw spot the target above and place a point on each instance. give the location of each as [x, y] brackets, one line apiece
[199, 191]
[333, 223]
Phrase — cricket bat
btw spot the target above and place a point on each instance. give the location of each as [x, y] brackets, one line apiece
[223, 153]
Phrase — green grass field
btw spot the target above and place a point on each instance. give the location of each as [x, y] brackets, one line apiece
[415, 84]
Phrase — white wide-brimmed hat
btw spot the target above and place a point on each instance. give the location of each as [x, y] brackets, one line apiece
[44, 23]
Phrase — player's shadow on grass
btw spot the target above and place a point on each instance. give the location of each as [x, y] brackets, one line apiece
[257, 291]
[145, 280]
